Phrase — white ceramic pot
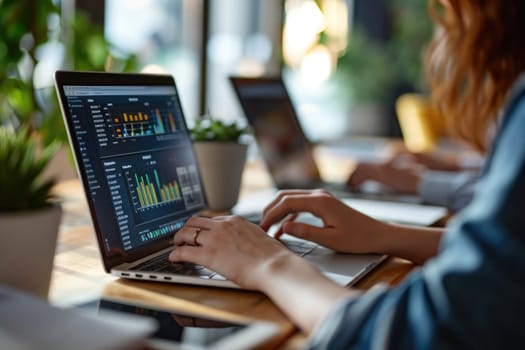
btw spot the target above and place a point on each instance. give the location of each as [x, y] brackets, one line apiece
[221, 165]
[27, 248]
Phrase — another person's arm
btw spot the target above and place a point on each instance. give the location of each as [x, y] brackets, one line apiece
[403, 178]
[453, 190]
[461, 160]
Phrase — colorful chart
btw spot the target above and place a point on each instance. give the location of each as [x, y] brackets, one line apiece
[152, 192]
[139, 124]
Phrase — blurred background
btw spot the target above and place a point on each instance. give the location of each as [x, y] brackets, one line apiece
[344, 61]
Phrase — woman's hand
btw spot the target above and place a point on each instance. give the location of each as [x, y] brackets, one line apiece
[229, 245]
[246, 255]
[400, 176]
[347, 230]
[343, 230]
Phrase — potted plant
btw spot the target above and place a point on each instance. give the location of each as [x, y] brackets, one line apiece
[29, 216]
[221, 157]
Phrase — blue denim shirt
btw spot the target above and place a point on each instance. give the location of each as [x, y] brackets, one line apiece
[470, 296]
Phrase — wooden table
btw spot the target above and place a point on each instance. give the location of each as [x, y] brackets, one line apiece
[78, 274]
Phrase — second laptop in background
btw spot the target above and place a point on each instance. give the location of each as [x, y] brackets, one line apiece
[285, 148]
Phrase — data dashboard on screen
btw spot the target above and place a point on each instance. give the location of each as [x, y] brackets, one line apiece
[138, 161]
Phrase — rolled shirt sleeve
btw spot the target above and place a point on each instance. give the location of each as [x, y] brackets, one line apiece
[453, 190]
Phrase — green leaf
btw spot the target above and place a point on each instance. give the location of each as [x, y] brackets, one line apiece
[21, 168]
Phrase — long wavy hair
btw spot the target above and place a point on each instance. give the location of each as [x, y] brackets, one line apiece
[477, 52]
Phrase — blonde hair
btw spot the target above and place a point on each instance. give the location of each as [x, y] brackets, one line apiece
[477, 53]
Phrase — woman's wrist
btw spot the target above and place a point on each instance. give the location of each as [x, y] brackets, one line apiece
[381, 240]
[284, 274]
[416, 244]
[271, 268]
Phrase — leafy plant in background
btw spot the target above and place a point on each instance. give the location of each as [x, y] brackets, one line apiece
[24, 29]
[27, 28]
[365, 73]
[211, 129]
[369, 69]
[92, 52]
[21, 185]
[411, 31]
[89, 51]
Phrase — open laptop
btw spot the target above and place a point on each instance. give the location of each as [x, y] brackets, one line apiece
[141, 179]
[285, 148]
[283, 144]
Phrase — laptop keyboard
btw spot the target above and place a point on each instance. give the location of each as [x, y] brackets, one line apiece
[163, 265]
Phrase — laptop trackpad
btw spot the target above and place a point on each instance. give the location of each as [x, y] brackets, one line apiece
[350, 265]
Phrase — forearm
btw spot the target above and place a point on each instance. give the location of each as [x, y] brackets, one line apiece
[417, 244]
[300, 290]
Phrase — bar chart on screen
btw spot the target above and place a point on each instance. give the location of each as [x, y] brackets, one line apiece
[132, 124]
[154, 189]
[150, 191]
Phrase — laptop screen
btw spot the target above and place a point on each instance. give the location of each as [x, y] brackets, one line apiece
[136, 160]
[284, 147]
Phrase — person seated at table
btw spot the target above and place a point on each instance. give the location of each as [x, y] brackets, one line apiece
[468, 294]
[444, 180]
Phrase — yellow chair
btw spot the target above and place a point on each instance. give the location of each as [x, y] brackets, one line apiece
[421, 126]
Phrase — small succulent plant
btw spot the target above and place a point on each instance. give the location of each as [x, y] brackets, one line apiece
[211, 129]
[21, 166]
